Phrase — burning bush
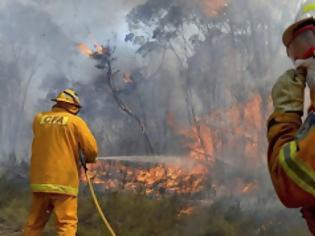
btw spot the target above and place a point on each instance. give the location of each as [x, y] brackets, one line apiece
[151, 179]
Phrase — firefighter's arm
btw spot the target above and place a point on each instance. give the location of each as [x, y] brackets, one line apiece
[87, 142]
[282, 128]
[283, 124]
[288, 101]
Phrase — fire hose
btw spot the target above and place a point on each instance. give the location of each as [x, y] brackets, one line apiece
[96, 202]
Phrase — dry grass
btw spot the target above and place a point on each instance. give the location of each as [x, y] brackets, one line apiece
[138, 215]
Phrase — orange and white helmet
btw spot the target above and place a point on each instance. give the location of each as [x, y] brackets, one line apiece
[306, 16]
[299, 38]
[68, 96]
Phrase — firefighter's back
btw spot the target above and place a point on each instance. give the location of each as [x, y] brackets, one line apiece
[54, 162]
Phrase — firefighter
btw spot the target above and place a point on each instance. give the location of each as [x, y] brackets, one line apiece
[59, 136]
[291, 153]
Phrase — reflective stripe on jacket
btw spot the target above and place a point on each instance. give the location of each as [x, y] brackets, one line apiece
[291, 159]
[299, 171]
[58, 137]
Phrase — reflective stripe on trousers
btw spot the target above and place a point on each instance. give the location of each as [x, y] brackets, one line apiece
[54, 188]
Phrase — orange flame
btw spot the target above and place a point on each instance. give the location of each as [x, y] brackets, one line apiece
[186, 211]
[213, 7]
[100, 49]
[127, 78]
[201, 144]
[173, 178]
[84, 49]
[204, 142]
[248, 187]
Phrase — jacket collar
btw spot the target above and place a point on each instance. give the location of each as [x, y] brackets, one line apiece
[58, 109]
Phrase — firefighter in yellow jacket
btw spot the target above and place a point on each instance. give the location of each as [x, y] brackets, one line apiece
[59, 136]
[291, 152]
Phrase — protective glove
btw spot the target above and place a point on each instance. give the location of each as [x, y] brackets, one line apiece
[288, 92]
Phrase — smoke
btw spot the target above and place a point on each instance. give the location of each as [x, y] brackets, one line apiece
[204, 63]
[39, 58]
[183, 61]
[188, 59]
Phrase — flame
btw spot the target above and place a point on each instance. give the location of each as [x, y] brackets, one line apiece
[127, 78]
[213, 7]
[201, 141]
[100, 49]
[248, 187]
[84, 49]
[204, 143]
[202, 146]
[186, 211]
[174, 178]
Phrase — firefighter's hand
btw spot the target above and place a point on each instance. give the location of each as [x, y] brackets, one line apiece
[288, 92]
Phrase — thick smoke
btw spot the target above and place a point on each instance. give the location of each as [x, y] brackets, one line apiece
[39, 58]
[186, 61]
[226, 58]
[198, 65]
[192, 64]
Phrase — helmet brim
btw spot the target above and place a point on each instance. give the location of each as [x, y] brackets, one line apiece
[289, 32]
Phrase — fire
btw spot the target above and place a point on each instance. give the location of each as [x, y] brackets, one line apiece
[248, 187]
[194, 172]
[127, 78]
[155, 180]
[213, 7]
[100, 49]
[186, 211]
[202, 144]
[84, 49]
[218, 135]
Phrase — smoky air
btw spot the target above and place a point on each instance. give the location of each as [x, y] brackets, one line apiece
[177, 94]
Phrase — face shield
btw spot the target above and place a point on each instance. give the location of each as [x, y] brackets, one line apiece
[302, 44]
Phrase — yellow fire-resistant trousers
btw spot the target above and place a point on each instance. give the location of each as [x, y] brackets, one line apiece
[64, 208]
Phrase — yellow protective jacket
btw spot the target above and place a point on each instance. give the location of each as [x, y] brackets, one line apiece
[58, 137]
[291, 158]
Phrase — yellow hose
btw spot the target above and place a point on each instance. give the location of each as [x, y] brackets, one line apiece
[99, 209]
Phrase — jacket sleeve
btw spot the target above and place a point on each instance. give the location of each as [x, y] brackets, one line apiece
[87, 142]
[282, 128]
